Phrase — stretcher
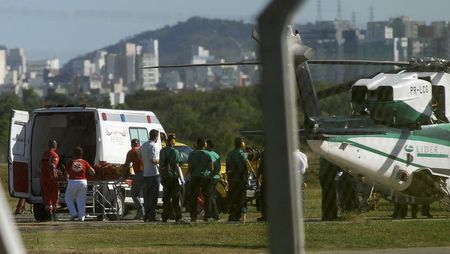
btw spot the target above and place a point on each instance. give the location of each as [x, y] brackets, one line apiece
[104, 199]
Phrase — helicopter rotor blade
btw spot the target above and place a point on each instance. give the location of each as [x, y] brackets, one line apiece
[360, 62]
[338, 62]
[202, 65]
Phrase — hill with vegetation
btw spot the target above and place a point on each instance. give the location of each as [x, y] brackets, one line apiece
[225, 39]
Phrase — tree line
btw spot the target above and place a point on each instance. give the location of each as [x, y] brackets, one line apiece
[219, 115]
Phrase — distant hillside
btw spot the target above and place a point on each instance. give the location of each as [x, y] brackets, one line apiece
[224, 38]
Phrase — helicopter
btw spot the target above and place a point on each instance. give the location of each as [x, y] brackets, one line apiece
[398, 135]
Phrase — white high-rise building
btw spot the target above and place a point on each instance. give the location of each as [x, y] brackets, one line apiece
[82, 67]
[99, 61]
[127, 69]
[150, 57]
[2, 66]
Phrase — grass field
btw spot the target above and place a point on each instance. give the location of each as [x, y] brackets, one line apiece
[369, 230]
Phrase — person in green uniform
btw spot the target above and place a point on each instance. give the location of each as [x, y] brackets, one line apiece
[215, 177]
[199, 169]
[237, 175]
[171, 179]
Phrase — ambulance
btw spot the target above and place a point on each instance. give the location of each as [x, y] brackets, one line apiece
[104, 135]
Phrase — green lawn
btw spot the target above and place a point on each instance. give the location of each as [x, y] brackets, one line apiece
[368, 230]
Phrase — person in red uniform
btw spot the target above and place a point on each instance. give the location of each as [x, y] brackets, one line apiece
[49, 175]
[138, 179]
[77, 185]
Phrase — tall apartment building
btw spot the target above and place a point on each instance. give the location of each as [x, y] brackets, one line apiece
[127, 65]
[99, 61]
[16, 60]
[147, 55]
[197, 77]
[111, 66]
[3, 69]
[405, 27]
[82, 67]
[35, 74]
[379, 31]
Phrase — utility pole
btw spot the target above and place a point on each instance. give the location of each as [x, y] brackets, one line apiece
[371, 13]
[339, 10]
[284, 209]
[319, 11]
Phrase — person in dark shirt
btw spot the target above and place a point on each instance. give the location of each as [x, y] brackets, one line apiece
[134, 161]
[200, 167]
[171, 179]
[237, 176]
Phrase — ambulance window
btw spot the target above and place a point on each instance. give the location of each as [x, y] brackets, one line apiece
[139, 133]
[18, 135]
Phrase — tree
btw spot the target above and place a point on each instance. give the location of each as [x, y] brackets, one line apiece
[7, 102]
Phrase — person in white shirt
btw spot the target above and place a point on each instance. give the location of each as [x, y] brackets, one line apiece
[149, 154]
[302, 161]
[302, 166]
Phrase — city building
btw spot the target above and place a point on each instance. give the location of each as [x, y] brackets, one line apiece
[147, 55]
[16, 60]
[2, 66]
[127, 66]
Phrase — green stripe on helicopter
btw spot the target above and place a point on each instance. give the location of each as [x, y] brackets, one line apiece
[436, 134]
[432, 155]
[375, 151]
[396, 111]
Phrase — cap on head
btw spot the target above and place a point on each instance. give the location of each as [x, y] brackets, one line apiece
[135, 142]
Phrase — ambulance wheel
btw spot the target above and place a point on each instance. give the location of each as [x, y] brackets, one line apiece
[39, 212]
[119, 202]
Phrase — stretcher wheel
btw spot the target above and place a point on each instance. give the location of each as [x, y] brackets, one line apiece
[39, 212]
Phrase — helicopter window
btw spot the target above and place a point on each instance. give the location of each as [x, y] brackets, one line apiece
[385, 93]
[427, 78]
[372, 95]
[438, 102]
[359, 94]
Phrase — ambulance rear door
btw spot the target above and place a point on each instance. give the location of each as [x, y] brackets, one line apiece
[18, 163]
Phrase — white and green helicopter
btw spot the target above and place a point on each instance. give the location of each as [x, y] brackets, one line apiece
[398, 136]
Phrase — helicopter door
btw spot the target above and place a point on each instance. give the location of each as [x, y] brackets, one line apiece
[18, 177]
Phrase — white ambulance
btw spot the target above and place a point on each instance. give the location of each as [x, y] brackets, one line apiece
[104, 135]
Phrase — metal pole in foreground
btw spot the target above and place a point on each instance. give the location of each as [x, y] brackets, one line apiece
[280, 130]
[10, 241]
